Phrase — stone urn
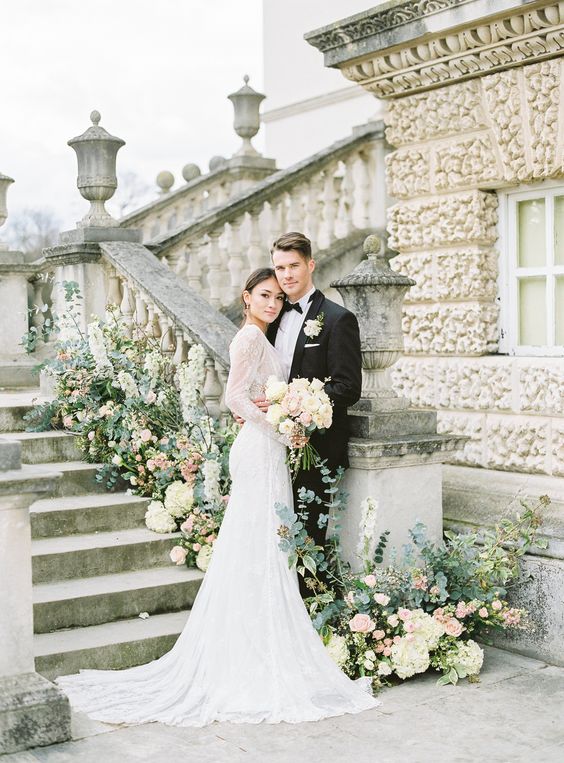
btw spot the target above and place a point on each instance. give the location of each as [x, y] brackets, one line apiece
[5, 181]
[96, 152]
[246, 104]
[375, 293]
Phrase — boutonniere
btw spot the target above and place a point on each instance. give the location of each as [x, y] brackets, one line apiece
[313, 327]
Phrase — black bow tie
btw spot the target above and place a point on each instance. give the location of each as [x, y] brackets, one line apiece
[296, 306]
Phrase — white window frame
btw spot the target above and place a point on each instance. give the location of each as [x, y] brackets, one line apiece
[509, 271]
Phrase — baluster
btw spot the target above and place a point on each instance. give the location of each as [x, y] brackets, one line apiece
[295, 209]
[276, 220]
[212, 388]
[167, 336]
[193, 271]
[114, 295]
[153, 326]
[329, 208]
[345, 222]
[362, 186]
[180, 353]
[127, 307]
[222, 373]
[255, 250]
[215, 270]
[312, 209]
[236, 260]
[37, 317]
[140, 316]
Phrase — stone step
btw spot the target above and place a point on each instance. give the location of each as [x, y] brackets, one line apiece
[13, 406]
[83, 514]
[79, 478]
[47, 447]
[80, 556]
[105, 598]
[111, 646]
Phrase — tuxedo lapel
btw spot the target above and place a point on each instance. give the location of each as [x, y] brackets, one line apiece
[272, 330]
[314, 308]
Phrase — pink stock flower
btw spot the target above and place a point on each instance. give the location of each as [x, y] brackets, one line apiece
[370, 580]
[512, 617]
[362, 624]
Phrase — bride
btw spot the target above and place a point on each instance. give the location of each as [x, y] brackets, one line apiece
[248, 652]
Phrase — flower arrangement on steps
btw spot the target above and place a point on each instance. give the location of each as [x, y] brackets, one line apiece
[144, 420]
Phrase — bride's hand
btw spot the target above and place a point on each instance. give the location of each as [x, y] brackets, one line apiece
[262, 404]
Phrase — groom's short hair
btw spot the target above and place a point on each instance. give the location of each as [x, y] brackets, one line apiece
[293, 241]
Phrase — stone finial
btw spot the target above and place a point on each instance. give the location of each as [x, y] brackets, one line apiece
[375, 293]
[5, 182]
[191, 172]
[246, 103]
[165, 181]
[217, 163]
[96, 152]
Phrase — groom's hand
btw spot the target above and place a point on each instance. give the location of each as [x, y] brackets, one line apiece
[262, 404]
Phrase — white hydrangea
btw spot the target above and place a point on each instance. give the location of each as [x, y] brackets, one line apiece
[190, 379]
[158, 519]
[204, 557]
[469, 658]
[427, 628]
[409, 656]
[367, 527]
[211, 469]
[179, 498]
[98, 350]
[338, 649]
[127, 384]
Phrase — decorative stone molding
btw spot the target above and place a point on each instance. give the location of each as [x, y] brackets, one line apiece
[477, 48]
[473, 385]
[461, 329]
[407, 173]
[541, 390]
[414, 379]
[469, 425]
[516, 444]
[469, 216]
[455, 274]
[436, 114]
[503, 99]
[465, 163]
[558, 448]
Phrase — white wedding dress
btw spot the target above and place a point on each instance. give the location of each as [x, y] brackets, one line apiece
[248, 652]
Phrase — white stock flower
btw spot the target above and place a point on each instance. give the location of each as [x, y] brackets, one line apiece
[204, 557]
[158, 519]
[211, 470]
[179, 498]
[127, 384]
[338, 649]
[190, 379]
[409, 657]
[367, 527]
[98, 350]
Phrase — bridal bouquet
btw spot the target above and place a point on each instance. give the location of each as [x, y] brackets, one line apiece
[298, 409]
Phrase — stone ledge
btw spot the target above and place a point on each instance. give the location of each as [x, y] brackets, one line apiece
[33, 712]
[389, 452]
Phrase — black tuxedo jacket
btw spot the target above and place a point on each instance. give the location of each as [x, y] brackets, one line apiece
[334, 353]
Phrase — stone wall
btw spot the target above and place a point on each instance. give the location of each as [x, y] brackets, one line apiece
[453, 147]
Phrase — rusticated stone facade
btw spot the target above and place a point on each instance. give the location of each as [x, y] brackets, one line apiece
[473, 107]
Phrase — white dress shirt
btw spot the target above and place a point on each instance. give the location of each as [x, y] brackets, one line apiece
[288, 331]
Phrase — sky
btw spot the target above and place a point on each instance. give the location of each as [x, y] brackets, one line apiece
[158, 71]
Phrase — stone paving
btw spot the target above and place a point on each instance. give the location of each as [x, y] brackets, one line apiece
[515, 713]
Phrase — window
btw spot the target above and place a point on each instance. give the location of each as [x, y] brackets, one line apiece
[532, 239]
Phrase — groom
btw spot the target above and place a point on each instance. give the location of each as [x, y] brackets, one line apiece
[332, 350]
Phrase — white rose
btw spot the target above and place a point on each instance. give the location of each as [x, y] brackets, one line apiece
[286, 427]
[384, 669]
[316, 385]
[274, 414]
[310, 404]
[204, 556]
[117, 460]
[275, 389]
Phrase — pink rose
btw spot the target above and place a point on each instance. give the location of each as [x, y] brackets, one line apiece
[483, 612]
[361, 624]
[370, 580]
[381, 598]
[379, 648]
[91, 435]
[67, 422]
[379, 635]
[305, 418]
[388, 641]
[151, 464]
[404, 614]
[497, 605]
[397, 639]
[196, 547]
[145, 435]
[453, 627]
[409, 627]
[393, 620]
[186, 526]
[178, 554]
[387, 651]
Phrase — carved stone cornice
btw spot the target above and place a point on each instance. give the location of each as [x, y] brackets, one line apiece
[529, 33]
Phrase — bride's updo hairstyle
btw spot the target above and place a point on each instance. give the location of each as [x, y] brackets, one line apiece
[257, 276]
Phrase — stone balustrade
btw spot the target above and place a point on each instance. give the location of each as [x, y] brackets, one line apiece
[328, 196]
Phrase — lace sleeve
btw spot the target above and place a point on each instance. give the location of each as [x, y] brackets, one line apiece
[246, 353]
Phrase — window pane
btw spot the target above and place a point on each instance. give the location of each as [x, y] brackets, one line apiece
[559, 230]
[532, 240]
[559, 310]
[532, 311]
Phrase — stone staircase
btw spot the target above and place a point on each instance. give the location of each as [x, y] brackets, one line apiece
[95, 565]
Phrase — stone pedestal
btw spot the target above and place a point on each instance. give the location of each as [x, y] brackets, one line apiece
[13, 302]
[33, 711]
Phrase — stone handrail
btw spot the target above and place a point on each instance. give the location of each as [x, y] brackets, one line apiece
[327, 196]
[196, 197]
